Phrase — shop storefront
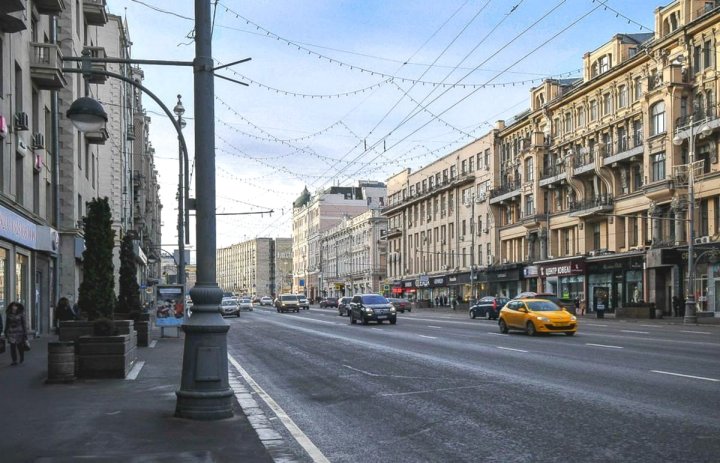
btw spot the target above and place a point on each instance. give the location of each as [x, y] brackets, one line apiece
[27, 266]
[506, 281]
[615, 281]
[458, 285]
[408, 290]
[564, 278]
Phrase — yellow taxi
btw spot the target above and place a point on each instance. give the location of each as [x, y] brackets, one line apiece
[536, 316]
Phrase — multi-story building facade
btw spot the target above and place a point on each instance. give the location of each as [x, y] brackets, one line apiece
[440, 229]
[283, 266]
[588, 193]
[592, 193]
[353, 256]
[315, 214]
[48, 169]
[247, 268]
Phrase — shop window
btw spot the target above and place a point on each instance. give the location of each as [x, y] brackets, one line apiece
[3, 278]
[634, 286]
[21, 279]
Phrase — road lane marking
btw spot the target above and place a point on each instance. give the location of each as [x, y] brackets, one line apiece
[603, 345]
[633, 331]
[428, 337]
[686, 376]
[430, 391]
[694, 332]
[378, 375]
[593, 324]
[649, 326]
[509, 348]
[432, 326]
[295, 431]
[495, 334]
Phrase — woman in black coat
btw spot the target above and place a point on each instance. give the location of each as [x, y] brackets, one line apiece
[16, 331]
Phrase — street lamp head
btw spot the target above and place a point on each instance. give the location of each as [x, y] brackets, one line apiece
[677, 140]
[179, 109]
[182, 122]
[705, 130]
[87, 114]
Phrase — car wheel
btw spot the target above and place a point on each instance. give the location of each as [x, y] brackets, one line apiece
[472, 314]
[503, 327]
[530, 329]
[365, 321]
[570, 333]
[393, 321]
[488, 316]
[278, 310]
[352, 319]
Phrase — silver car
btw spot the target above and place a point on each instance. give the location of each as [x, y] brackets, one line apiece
[246, 304]
[230, 306]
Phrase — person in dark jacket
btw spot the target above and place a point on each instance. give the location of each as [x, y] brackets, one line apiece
[64, 311]
[16, 331]
[677, 306]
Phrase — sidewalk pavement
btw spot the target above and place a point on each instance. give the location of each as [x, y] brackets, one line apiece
[114, 420]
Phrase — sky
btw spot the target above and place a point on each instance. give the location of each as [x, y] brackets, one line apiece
[341, 91]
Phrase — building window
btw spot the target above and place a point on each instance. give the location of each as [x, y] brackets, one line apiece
[581, 117]
[487, 159]
[593, 110]
[471, 164]
[657, 118]
[604, 64]
[452, 172]
[621, 139]
[638, 88]
[463, 167]
[622, 96]
[637, 133]
[596, 236]
[529, 205]
[529, 170]
[19, 180]
[568, 123]
[566, 241]
[658, 167]
[707, 54]
[607, 104]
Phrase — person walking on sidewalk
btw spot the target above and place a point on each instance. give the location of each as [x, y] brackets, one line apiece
[16, 331]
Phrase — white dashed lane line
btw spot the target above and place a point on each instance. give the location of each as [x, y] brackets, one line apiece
[635, 332]
[428, 337]
[603, 345]
[685, 376]
[510, 348]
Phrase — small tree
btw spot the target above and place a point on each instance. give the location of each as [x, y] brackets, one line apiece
[129, 299]
[97, 291]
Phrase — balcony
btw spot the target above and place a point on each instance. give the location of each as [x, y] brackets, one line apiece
[591, 206]
[394, 232]
[10, 6]
[708, 115]
[503, 192]
[98, 52]
[659, 190]
[552, 174]
[625, 149]
[98, 137]
[51, 7]
[95, 12]
[532, 218]
[46, 66]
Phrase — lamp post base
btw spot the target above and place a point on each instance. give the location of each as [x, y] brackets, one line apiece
[690, 317]
[204, 392]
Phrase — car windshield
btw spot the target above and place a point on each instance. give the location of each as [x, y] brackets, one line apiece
[228, 302]
[289, 297]
[374, 299]
[246, 301]
[542, 306]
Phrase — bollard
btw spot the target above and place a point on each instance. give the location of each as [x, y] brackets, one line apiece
[61, 362]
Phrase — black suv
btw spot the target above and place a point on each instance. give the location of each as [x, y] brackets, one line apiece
[488, 307]
[344, 306]
[367, 307]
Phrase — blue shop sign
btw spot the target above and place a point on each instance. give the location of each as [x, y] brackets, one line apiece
[18, 229]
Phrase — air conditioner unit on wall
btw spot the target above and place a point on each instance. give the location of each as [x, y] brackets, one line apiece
[38, 141]
[22, 121]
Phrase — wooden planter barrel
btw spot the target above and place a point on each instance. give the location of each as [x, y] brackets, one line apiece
[61, 362]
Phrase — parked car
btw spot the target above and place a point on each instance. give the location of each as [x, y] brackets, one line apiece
[371, 307]
[229, 306]
[256, 300]
[566, 304]
[401, 305]
[344, 306]
[536, 316]
[329, 302]
[265, 300]
[287, 303]
[246, 304]
[488, 307]
[303, 302]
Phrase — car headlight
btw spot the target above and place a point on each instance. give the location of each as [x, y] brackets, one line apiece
[573, 318]
[392, 309]
[543, 319]
[368, 310]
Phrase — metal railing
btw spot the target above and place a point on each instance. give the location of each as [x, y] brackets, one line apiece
[506, 188]
[584, 159]
[552, 171]
[590, 203]
[698, 115]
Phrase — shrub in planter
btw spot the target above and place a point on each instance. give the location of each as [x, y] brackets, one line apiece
[128, 305]
[104, 327]
[97, 290]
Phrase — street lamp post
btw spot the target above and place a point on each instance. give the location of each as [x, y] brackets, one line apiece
[179, 110]
[204, 392]
[705, 130]
[470, 202]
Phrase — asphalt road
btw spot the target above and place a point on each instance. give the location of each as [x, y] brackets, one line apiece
[444, 388]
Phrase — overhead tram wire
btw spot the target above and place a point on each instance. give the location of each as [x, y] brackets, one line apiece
[416, 111]
[513, 64]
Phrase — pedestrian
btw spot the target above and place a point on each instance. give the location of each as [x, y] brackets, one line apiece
[576, 302]
[437, 301]
[583, 303]
[677, 306]
[16, 331]
[64, 311]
